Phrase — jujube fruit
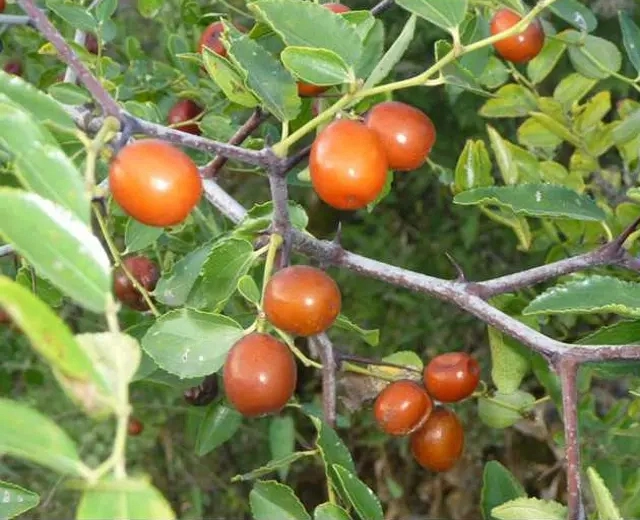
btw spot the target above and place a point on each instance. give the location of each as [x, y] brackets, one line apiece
[210, 38]
[3, 5]
[451, 377]
[91, 43]
[519, 48]
[307, 89]
[439, 443]
[5, 319]
[302, 300]
[13, 67]
[259, 375]
[407, 134]
[185, 110]
[135, 427]
[155, 182]
[347, 165]
[145, 272]
[402, 407]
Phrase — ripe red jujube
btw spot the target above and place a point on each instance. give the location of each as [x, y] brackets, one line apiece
[451, 377]
[439, 443]
[402, 407]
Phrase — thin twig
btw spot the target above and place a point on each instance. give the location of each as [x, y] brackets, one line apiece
[14, 19]
[250, 125]
[294, 159]
[341, 356]
[6, 250]
[327, 356]
[382, 6]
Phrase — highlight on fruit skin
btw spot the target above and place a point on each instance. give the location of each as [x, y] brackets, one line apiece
[402, 407]
[302, 300]
[260, 375]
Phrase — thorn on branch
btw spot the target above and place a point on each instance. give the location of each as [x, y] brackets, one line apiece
[461, 276]
[619, 241]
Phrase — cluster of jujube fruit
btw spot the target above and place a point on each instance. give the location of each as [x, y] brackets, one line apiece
[406, 407]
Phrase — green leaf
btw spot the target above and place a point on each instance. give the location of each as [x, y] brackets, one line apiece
[503, 410]
[474, 167]
[593, 112]
[630, 38]
[174, 288]
[475, 28]
[149, 8]
[494, 74]
[76, 16]
[628, 129]
[536, 200]
[16, 500]
[137, 236]
[43, 107]
[555, 127]
[361, 497]
[542, 65]
[589, 295]
[190, 343]
[227, 262]
[331, 447]
[270, 500]
[571, 89]
[446, 15]
[592, 56]
[372, 337]
[498, 486]
[530, 509]
[219, 424]
[58, 245]
[307, 24]
[328, 511]
[509, 361]
[272, 84]
[273, 465]
[534, 134]
[503, 155]
[105, 10]
[373, 50]
[316, 66]
[605, 505]
[29, 435]
[455, 74]
[249, 289]
[69, 94]
[393, 55]
[282, 440]
[575, 13]
[49, 335]
[124, 498]
[511, 101]
[228, 79]
[260, 216]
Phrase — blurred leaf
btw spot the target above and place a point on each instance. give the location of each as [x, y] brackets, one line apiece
[547, 378]
[494, 74]
[592, 56]
[270, 499]
[190, 343]
[628, 129]
[174, 288]
[105, 10]
[446, 15]
[474, 167]
[605, 505]
[593, 111]
[475, 28]
[69, 94]
[393, 55]
[575, 13]
[42, 106]
[16, 500]
[630, 37]
[61, 247]
[498, 486]
[219, 424]
[511, 101]
[372, 50]
[316, 66]
[572, 88]
[509, 361]
[137, 236]
[259, 217]
[455, 74]
[228, 79]
[503, 156]
[229, 259]
[592, 294]
[534, 134]
[273, 465]
[266, 77]
[249, 289]
[361, 497]
[46, 292]
[372, 337]
[75, 15]
[128, 497]
[29, 435]
[542, 65]
[530, 509]
[556, 128]
[307, 24]
[282, 441]
[538, 200]
[149, 8]
[328, 511]
[502, 410]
